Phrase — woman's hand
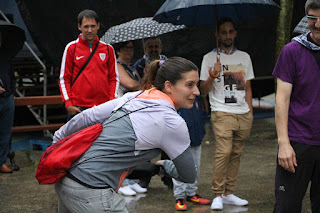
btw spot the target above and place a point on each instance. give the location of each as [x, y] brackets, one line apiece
[160, 162]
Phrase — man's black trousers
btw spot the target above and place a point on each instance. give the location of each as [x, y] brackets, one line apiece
[290, 188]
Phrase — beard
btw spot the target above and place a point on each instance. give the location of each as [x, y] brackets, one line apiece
[227, 43]
[153, 56]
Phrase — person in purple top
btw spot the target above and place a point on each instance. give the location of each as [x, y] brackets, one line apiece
[297, 116]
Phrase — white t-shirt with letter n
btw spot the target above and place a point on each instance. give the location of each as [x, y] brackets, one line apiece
[228, 90]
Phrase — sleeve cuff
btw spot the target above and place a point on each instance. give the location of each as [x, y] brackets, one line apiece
[67, 104]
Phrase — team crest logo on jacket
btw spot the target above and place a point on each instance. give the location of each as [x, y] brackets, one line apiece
[102, 56]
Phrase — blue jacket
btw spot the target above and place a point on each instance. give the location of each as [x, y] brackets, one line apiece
[194, 122]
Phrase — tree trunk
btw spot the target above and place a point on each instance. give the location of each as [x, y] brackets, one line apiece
[284, 25]
[283, 28]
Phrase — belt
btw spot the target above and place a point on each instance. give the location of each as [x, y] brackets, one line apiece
[69, 175]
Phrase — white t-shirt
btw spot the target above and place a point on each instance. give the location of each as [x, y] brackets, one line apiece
[228, 91]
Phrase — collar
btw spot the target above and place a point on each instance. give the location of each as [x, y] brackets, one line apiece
[230, 52]
[155, 94]
[304, 41]
[162, 57]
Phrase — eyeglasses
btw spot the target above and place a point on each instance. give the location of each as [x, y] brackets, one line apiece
[312, 18]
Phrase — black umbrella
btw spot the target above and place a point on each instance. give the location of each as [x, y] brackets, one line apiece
[207, 12]
[13, 37]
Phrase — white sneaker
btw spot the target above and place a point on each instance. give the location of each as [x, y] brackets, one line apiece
[217, 203]
[137, 188]
[127, 191]
[234, 200]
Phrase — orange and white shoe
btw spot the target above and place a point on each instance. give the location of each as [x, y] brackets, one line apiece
[198, 200]
[181, 205]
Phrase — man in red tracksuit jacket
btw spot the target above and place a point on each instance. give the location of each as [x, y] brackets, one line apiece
[98, 82]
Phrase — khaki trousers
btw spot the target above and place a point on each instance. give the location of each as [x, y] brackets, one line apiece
[231, 131]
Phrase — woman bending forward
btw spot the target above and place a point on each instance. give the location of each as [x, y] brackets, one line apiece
[136, 127]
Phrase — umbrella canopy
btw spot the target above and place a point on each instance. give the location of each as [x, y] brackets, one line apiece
[302, 27]
[13, 37]
[206, 12]
[137, 29]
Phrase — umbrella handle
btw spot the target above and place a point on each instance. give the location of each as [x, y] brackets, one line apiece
[211, 72]
[216, 21]
[218, 57]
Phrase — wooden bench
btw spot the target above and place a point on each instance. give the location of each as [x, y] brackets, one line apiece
[32, 142]
[37, 100]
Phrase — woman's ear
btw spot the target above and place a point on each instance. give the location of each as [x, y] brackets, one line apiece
[167, 87]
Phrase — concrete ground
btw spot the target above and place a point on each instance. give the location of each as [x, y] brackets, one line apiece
[20, 192]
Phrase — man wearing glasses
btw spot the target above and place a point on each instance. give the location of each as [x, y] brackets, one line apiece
[297, 115]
